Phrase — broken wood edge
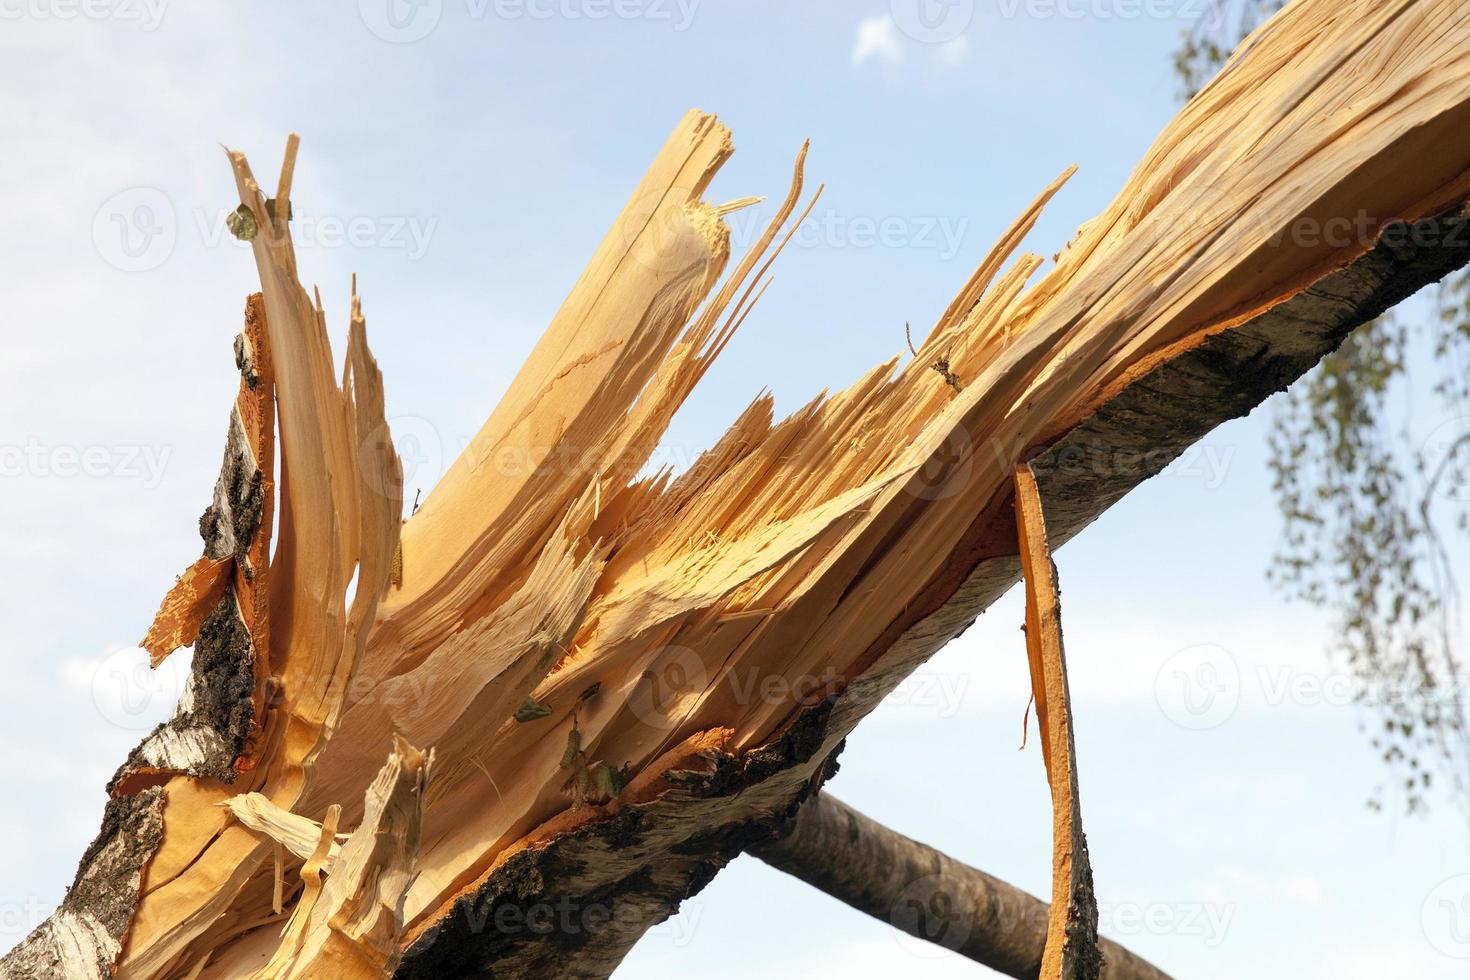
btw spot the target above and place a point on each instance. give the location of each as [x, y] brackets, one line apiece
[1071, 951]
[916, 888]
[650, 858]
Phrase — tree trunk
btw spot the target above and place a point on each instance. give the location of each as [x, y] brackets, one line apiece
[924, 892]
[627, 681]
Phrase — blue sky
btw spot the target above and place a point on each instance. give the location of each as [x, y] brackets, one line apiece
[465, 175]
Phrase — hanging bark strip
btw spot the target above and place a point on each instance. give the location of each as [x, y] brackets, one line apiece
[1072, 951]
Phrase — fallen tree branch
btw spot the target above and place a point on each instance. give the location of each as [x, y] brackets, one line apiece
[924, 892]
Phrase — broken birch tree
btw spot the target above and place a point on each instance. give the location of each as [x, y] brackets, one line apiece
[573, 637]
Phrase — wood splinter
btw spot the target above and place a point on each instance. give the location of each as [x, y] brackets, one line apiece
[1072, 951]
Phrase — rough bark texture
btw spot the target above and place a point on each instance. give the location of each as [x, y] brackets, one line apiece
[81, 940]
[641, 866]
[924, 892]
[575, 907]
[209, 730]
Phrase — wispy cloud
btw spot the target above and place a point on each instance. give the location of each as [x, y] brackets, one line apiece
[877, 39]
[886, 41]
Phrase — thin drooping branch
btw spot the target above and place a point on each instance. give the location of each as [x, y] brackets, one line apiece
[925, 892]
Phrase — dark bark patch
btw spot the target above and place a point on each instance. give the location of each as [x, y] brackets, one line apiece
[210, 728]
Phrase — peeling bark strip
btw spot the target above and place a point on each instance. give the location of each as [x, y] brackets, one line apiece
[1071, 934]
[194, 596]
[81, 940]
[714, 636]
[924, 892]
[218, 605]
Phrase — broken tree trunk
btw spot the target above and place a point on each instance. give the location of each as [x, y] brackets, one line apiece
[924, 892]
[625, 679]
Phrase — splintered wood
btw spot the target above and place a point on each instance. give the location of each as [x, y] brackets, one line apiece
[733, 620]
[351, 925]
[1071, 935]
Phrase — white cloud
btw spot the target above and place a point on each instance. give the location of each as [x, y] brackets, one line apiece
[877, 37]
[881, 39]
